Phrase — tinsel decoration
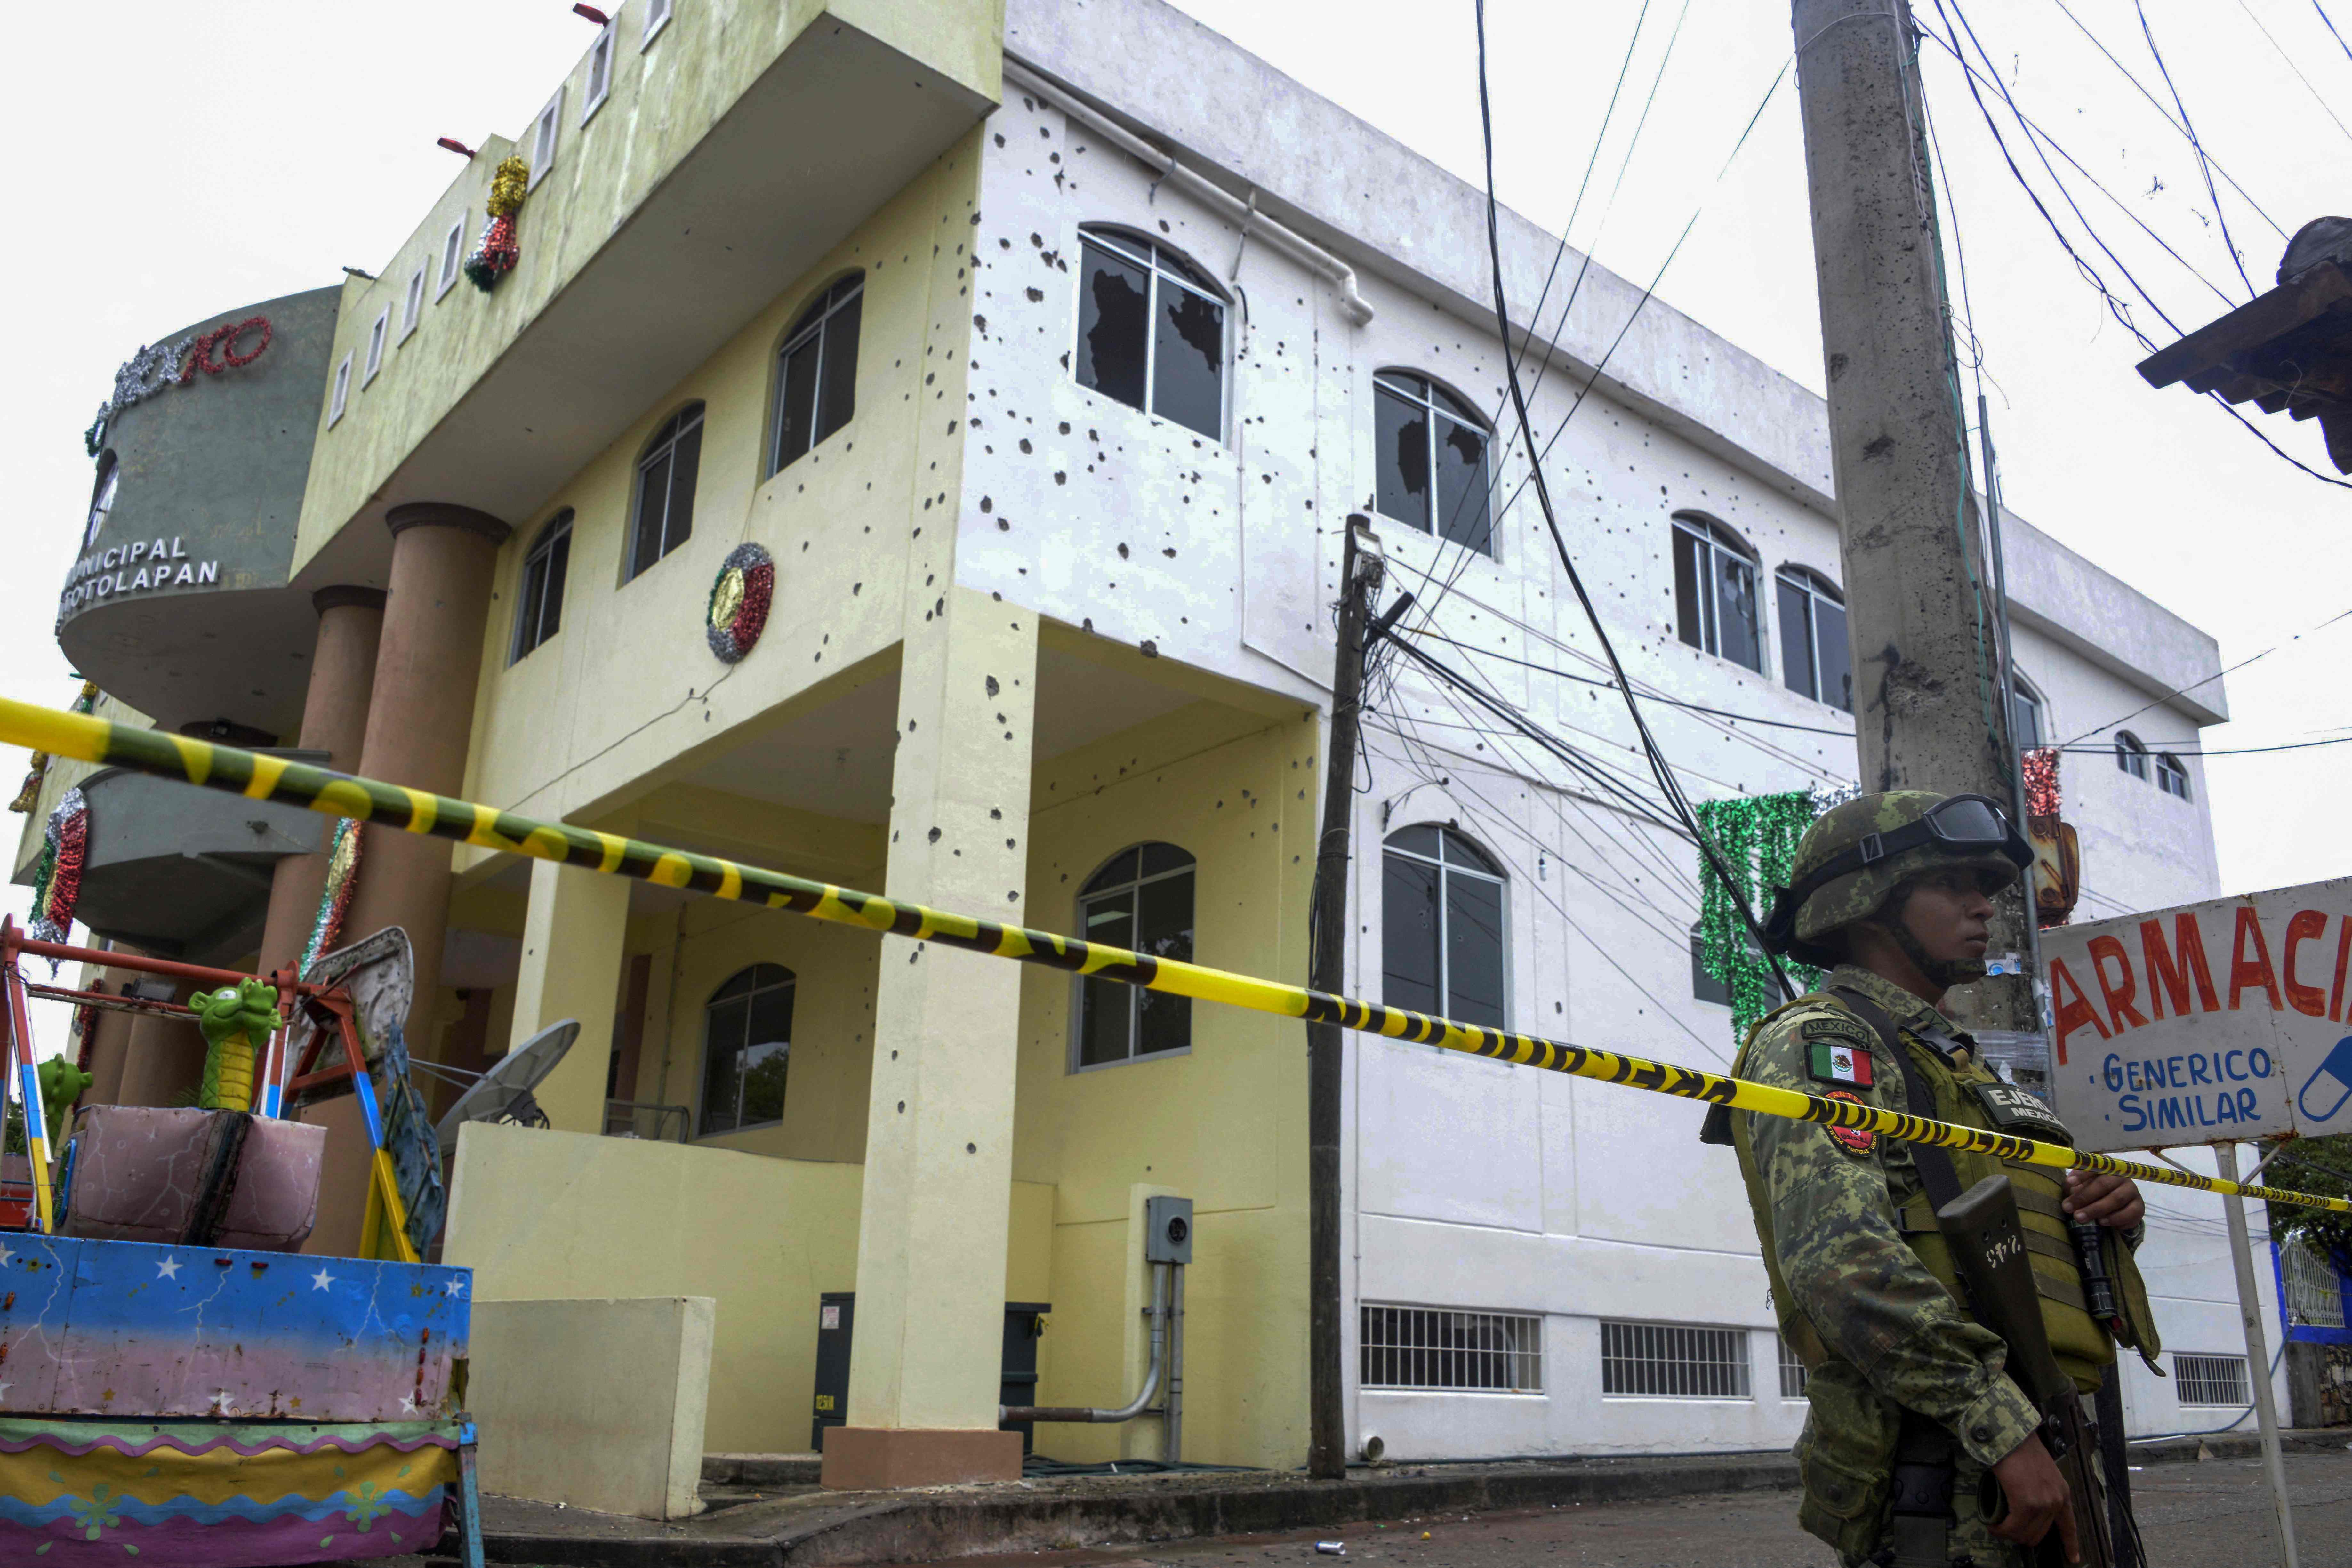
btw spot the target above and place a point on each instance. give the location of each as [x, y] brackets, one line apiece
[85, 1028]
[740, 597]
[1756, 838]
[57, 878]
[497, 254]
[2040, 766]
[335, 898]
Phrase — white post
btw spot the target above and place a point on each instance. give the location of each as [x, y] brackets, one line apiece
[2258, 1355]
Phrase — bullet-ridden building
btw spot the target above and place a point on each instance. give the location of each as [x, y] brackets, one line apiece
[911, 448]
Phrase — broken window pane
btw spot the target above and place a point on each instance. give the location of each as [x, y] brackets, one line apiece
[1836, 658]
[1736, 610]
[1796, 672]
[1462, 487]
[1189, 361]
[1114, 301]
[1689, 623]
[1400, 451]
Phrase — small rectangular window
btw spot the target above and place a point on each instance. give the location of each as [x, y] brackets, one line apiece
[342, 393]
[1451, 1349]
[1704, 986]
[600, 75]
[377, 333]
[411, 302]
[1673, 1360]
[1792, 1371]
[656, 19]
[538, 613]
[2210, 1379]
[453, 257]
[543, 140]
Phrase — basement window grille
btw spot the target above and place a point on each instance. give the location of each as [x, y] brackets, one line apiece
[1448, 1348]
[2315, 1296]
[1673, 1360]
[1792, 1371]
[2210, 1379]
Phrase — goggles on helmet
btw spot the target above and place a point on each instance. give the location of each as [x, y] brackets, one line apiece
[1962, 826]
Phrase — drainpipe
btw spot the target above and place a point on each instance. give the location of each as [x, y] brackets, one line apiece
[1021, 74]
[1158, 1313]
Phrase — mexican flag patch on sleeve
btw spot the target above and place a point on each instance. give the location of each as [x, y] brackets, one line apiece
[1838, 1061]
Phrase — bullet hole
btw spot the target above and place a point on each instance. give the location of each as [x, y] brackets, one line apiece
[1164, 229]
[1008, 844]
[1061, 478]
[1038, 240]
[902, 1108]
[1035, 294]
[995, 814]
[1005, 243]
[974, 1148]
[1066, 426]
[1088, 623]
[935, 836]
[992, 687]
[1151, 648]
[1170, 552]
[1122, 553]
[1002, 526]
[1012, 896]
[987, 505]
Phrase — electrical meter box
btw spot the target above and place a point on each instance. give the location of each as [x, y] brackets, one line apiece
[1168, 1230]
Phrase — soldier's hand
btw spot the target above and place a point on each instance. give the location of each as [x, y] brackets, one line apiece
[2112, 1201]
[2036, 1494]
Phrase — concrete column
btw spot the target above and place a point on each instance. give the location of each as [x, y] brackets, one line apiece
[165, 1064]
[420, 721]
[574, 936]
[334, 721]
[924, 1369]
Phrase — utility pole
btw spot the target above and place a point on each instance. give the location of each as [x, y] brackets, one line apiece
[1926, 652]
[1359, 577]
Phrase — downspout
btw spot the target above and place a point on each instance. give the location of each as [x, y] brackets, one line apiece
[1158, 1311]
[1021, 74]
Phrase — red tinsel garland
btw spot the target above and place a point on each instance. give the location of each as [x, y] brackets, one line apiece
[86, 1028]
[55, 897]
[200, 351]
[2039, 766]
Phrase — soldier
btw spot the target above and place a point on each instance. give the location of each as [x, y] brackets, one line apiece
[1919, 1451]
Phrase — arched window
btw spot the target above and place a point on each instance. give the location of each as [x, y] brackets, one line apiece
[2130, 755]
[1814, 659]
[1441, 926]
[538, 609]
[2171, 774]
[1152, 329]
[2029, 719]
[666, 479]
[101, 499]
[747, 1045]
[816, 372]
[1142, 900]
[1715, 591]
[1429, 450]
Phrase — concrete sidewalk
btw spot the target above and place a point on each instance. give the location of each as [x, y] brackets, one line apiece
[767, 1512]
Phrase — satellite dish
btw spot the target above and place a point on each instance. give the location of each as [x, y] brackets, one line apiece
[503, 1093]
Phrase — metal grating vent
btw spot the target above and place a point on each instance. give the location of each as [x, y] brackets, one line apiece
[2314, 1297]
[2210, 1379]
[1673, 1360]
[1792, 1371]
[1443, 1347]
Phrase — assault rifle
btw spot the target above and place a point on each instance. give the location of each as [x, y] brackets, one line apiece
[1987, 1243]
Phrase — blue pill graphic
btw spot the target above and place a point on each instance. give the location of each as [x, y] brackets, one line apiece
[2335, 1074]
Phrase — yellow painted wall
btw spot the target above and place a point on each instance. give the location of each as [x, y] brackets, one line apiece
[626, 696]
[1224, 1124]
[548, 1215]
[663, 102]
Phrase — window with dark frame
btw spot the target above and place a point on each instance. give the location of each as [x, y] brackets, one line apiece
[101, 501]
[747, 1047]
[2171, 774]
[1141, 900]
[666, 480]
[2026, 724]
[1715, 608]
[816, 374]
[2131, 757]
[538, 609]
[1442, 949]
[1151, 331]
[1814, 659]
[1704, 986]
[1430, 455]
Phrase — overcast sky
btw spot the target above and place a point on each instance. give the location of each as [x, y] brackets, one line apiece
[187, 159]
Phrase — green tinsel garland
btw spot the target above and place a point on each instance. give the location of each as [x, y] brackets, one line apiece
[1756, 839]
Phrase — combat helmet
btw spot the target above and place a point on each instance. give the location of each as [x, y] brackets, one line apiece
[1854, 858]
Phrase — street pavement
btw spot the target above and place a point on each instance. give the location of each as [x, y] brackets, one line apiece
[2215, 1514]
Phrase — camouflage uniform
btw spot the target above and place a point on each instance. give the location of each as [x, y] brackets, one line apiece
[1894, 1335]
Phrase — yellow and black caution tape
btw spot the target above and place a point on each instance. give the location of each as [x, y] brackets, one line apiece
[257, 777]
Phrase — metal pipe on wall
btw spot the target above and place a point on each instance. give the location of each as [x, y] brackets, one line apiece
[1158, 1313]
[1173, 1420]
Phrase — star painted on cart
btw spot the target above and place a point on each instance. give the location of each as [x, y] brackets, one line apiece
[168, 1270]
[407, 1406]
[4, 1256]
[321, 1279]
[454, 1288]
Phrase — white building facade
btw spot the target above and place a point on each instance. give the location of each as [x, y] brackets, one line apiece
[1187, 405]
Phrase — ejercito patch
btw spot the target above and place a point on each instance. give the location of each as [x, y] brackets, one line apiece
[1852, 1140]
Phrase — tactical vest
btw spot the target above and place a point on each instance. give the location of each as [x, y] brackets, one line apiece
[1848, 1450]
